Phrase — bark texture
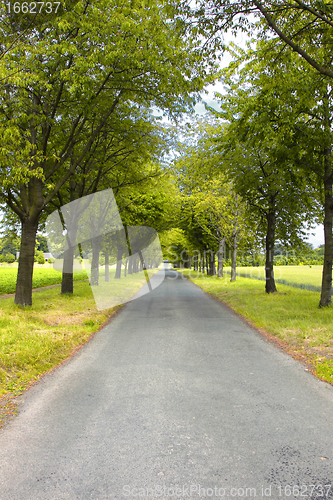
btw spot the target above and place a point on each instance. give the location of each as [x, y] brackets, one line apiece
[220, 257]
[107, 268]
[120, 252]
[23, 293]
[67, 271]
[270, 238]
[96, 245]
[326, 286]
[234, 256]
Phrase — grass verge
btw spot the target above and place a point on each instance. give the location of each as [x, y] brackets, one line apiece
[291, 317]
[38, 338]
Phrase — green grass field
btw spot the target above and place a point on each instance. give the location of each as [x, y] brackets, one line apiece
[308, 277]
[291, 315]
[43, 276]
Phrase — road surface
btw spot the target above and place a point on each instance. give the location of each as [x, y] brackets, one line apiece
[176, 398]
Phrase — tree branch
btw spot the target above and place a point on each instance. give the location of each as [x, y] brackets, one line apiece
[296, 48]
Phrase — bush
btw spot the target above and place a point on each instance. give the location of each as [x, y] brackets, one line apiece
[38, 253]
[10, 258]
[51, 260]
[40, 259]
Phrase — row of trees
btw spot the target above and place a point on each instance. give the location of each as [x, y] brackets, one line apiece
[76, 94]
[279, 139]
[273, 139]
[244, 181]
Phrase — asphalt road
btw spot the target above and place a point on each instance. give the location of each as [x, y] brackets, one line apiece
[176, 398]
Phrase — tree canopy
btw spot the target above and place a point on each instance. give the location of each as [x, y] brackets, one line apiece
[85, 72]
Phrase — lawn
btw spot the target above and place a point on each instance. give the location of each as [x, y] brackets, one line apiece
[291, 316]
[43, 276]
[308, 277]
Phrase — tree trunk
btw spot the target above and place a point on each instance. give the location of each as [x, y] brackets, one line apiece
[212, 266]
[220, 257]
[209, 263]
[186, 261]
[130, 265]
[234, 257]
[107, 268]
[96, 245]
[119, 262]
[270, 238]
[23, 294]
[67, 283]
[326, 287]
[67, 271]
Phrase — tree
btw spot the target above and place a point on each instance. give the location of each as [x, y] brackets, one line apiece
[255, 148]
[213, 213]
[18, 22]
[80, 69]
[120, 159]
[152, 203]
[173, 243]
[40, 257]
[314, 138]
[304, 101]
[304, 27]
[8, 245]
[41, 243]
[10, 258]
[219, 211]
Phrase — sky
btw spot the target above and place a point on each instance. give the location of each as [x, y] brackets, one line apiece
[318, 238]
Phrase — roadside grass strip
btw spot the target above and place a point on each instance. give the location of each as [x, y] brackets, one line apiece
[291, 317]
[37, 338]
